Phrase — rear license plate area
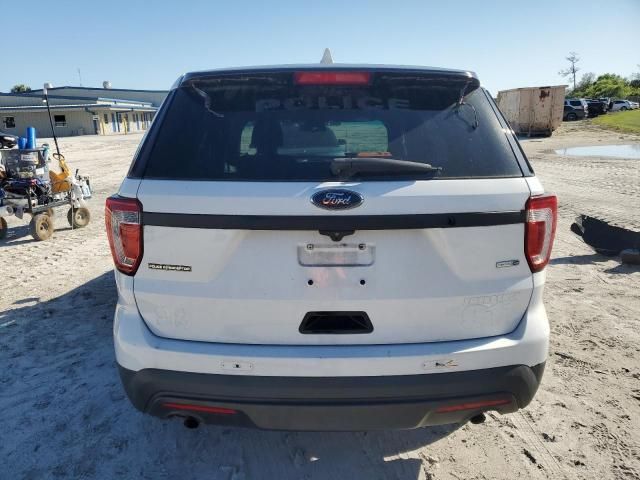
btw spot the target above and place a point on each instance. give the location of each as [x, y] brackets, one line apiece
[341, 255]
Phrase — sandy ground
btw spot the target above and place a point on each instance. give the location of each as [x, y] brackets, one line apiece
[64, 415]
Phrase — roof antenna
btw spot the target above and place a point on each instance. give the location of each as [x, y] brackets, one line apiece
[326, 57]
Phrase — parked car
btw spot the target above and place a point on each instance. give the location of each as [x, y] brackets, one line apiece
[634, 105]
[606, 101]
[573, 113]
[617, 105]
[8, 140]
[596, 107]
[330, 248]
[578, 103]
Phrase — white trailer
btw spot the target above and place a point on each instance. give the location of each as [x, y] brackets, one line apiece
[533, 110]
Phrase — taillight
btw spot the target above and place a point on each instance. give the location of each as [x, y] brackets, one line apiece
[540, 230]
[124, 230]
[331, 78]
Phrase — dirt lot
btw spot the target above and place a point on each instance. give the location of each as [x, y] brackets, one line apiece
[64, 415]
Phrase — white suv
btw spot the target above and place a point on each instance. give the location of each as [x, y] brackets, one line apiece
[330, 247]
[621, 105]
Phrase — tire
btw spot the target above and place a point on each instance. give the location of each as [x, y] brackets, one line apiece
[3, 228]
[572, 117]
[41, 227]
[623, 108]
[78, 217]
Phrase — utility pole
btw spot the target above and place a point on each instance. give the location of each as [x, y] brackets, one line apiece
[80, 76]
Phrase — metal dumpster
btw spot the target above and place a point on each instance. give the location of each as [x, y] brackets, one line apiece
[533, 110]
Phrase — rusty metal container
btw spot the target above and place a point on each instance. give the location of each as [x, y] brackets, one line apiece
[533, 110]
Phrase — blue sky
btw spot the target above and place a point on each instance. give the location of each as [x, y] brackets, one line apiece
[137, 44]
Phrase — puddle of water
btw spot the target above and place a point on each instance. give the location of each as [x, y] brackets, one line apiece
[616, 151]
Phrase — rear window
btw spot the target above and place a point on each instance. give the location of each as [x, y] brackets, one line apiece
[267, 128]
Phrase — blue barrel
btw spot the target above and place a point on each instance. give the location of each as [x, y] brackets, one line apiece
[22, 143]
[31, 138]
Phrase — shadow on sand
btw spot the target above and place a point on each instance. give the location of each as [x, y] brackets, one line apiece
[65, 414]
[588, 259]
[594, 258]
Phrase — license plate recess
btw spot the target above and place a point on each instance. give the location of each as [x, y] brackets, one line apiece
[336, 255]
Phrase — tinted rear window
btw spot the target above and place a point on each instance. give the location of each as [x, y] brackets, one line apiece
[266, 128]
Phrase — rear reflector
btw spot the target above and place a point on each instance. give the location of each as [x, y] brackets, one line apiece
[540, 230]
[122, 217]
[473, 405]
[331, 78]
[200, 408]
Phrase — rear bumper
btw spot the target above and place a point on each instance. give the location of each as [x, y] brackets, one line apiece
[332, 403]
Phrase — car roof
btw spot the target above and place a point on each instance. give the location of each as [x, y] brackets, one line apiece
[440, 72]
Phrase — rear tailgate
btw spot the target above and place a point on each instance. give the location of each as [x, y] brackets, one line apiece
[248, 286]
[236, 251]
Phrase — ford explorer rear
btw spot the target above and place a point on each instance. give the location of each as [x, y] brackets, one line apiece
[335, 247]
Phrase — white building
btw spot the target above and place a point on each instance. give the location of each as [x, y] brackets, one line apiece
[79, 111]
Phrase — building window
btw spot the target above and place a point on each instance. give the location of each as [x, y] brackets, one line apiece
[60, 120]
[9, 122]
[106, 118]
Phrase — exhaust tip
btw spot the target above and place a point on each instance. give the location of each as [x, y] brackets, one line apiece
[191, 423]
[478, 419]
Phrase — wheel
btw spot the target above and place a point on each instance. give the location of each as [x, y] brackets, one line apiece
[571, 117]
[78, 217]
[3, 228]
[623, 108]
[41, 226]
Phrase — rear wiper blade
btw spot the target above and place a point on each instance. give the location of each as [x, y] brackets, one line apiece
[342, 166]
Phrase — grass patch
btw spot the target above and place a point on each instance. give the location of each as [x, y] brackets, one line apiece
[628, 121]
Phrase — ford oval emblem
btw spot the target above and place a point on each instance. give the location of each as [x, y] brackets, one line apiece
[336, 199]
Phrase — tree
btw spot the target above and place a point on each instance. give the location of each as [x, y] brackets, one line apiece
[609, 85]
[571, 71]
[634, 81]
[20, 88]
[587, 80]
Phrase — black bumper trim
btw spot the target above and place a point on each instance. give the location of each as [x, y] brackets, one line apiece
[332, 403]
[332, 222]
